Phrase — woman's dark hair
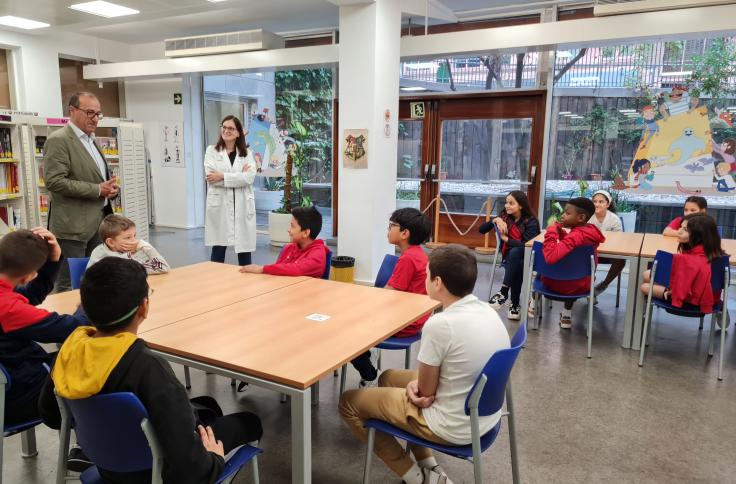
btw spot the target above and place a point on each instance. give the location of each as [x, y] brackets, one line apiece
[456, 265]
[415, 222]
[701, 202]
[523, 201]
[240, 144]
[112, 290]
[702, 230]
[308, 218]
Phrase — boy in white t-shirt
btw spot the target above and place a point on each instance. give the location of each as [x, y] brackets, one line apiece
[430, 403]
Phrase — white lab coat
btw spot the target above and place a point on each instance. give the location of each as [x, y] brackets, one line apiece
[230, 215]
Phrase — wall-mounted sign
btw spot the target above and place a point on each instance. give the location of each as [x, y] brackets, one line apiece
[177, 98]
[416, 110]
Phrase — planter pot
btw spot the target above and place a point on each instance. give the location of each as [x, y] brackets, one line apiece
[407, 204]
[629, 221]
[278, 228]
[267, 200]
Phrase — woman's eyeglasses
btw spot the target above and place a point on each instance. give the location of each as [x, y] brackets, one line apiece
[228, 129]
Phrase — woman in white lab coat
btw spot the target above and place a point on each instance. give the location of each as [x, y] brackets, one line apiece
[230, 216]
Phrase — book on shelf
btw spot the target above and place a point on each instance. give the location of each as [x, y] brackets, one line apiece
[40, 142]
[43, 203]
[6, 149]
[9, 180]
[108, 146]
[10, 216]
[41, 181]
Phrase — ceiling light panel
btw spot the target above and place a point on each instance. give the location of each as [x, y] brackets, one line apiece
[104, 9]
[21, 23]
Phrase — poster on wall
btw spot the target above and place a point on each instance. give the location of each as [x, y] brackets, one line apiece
[267, 144]
[681, 150]
[355, 154]
[172, 145]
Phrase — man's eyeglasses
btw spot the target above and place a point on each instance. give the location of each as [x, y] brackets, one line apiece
[228, 129]
[91, 113]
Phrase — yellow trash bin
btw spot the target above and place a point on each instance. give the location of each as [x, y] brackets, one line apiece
[343, 268]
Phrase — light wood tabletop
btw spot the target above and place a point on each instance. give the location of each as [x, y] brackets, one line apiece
[654, 242]
[271, 337]
[617, 243]
[190, 290]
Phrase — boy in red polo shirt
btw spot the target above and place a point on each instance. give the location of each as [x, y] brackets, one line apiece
[408, 228]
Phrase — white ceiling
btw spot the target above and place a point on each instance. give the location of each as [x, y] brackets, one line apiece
[160, 19]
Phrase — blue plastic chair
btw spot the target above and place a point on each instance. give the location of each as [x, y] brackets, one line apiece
[134, 446]
[26, 429]
[328, 259]
[719, 280]
[496, 255]
[485, 398]
[392, 343]
[77, 266]
[577, 264]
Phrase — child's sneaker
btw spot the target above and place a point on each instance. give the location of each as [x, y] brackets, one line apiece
[498, 300]
[514, 313]
[531, 312]
[565, 321]
[432, 477]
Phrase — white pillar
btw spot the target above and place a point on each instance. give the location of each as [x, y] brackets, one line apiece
[194, 148]
[368, 86]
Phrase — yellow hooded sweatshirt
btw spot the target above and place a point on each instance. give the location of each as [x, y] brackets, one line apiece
[84, 362]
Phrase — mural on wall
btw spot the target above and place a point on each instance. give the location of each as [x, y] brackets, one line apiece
[678, 153]
[268, 144]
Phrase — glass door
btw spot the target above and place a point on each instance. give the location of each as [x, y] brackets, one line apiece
[474, 149]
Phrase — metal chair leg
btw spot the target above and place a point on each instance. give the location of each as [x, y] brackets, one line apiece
[379, 359]
[407, 358]
[618, 290]
[232, 382]
[724, 315]
[28, 443]
[700, 327]
[369, 456]
[187, 379]
[647, 318]
[711, 336]
[343, 376]
[256, 477]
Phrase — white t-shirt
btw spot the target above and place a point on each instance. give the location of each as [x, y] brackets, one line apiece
[611, 222]
[460, 340]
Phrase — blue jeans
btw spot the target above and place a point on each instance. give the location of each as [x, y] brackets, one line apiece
[218, 255]
[514, 273]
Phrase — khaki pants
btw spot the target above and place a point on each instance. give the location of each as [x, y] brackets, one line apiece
[388, 402]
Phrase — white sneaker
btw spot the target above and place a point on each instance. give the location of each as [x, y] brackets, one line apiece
[531, 312]
[514, 313]
[432, 477]
[498, 300]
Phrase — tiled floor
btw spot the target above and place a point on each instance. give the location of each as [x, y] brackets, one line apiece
[579, 420]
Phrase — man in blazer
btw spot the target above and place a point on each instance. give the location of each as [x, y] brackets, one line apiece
[78, 181]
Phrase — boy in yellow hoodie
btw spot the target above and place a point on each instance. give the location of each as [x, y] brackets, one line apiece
[109, 357]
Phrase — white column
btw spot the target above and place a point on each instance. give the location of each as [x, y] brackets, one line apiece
[369, 85]
[194, 148]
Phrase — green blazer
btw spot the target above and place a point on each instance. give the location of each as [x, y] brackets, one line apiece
[72, 179]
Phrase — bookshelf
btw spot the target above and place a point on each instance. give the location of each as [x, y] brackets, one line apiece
[13, 213]
[37, 131]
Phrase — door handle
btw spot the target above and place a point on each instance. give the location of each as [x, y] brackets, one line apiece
[534, 174]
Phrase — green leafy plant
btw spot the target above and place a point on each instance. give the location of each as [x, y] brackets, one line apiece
[712, 72]
[556, 212]
[619, 202]
[582, 188]
[273, 184]
[295, 171]
[407, 194]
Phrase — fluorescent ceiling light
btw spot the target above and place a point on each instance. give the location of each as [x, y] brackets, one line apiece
[216, 1]
[104, 9]
[21, 23]
[676, 73]
[562, 113]
[414, 88]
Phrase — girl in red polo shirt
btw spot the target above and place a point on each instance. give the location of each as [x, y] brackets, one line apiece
[693, 204]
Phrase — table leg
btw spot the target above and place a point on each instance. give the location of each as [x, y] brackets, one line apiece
[301, 437]
[640, 303]
[524, 299]
[632, 292]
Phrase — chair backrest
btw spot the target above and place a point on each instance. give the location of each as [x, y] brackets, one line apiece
[489, 390]
[328, 259]
[718, 269]
[77, 266]
[499, 241]
[108, 428]
[4, 379]
[575, 265]
[385, 271]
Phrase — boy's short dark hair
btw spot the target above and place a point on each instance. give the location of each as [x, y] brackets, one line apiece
[112, 290]
[457, 267]
[701, 202]
[112, 225]
[22, 252]
[415, 222]
[583, 206]
[308, 218]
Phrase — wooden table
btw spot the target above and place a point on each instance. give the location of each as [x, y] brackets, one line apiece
[652, 243]
[188, 291]
[618, 245]
[268, 341]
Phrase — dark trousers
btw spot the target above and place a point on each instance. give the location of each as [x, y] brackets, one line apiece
[514, 273]
[233, 430]
[363, 364]
[74, 249]
[218, 255]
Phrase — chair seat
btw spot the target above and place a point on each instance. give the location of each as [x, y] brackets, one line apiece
[540, 288]
[460, 451]
[91, 476]
[395, 343]
[687, 310]
[20, 427]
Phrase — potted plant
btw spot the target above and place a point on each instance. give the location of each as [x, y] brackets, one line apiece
[556, 212]
[624, 209]
[269, 197]
[279, 219]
